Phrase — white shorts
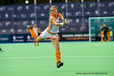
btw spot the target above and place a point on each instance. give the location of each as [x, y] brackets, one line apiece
[46, 35]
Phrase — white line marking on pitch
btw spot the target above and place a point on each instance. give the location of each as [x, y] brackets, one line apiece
[48, 57]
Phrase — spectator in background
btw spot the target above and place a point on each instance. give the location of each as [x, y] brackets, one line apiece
[36, 30]
[105, 33]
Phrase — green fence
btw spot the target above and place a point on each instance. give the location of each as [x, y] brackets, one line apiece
[95, 25]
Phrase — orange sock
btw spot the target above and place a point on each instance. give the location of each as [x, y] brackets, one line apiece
[108, 38]
[32, 33]
[58, 55]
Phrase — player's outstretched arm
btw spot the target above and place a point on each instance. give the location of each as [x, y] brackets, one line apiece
[63, 19]
[55, 23]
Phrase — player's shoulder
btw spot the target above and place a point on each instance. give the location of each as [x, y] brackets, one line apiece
[51, 17]
[59, 14]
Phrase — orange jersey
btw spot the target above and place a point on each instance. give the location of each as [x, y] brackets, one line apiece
[51, 27]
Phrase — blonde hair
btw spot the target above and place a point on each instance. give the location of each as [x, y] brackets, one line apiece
[52, 7]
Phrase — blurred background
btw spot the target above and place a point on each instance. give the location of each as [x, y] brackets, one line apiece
[15, 15]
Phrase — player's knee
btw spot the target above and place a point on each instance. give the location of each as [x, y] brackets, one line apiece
[37, 39]
[57, 49]
[102, 36]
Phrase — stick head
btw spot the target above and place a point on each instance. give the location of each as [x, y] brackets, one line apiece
[62, 7]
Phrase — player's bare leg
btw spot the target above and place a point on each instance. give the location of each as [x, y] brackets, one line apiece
[38, 39]
[37, 44]
[102, 36]
[55, 43]
[34, 42]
